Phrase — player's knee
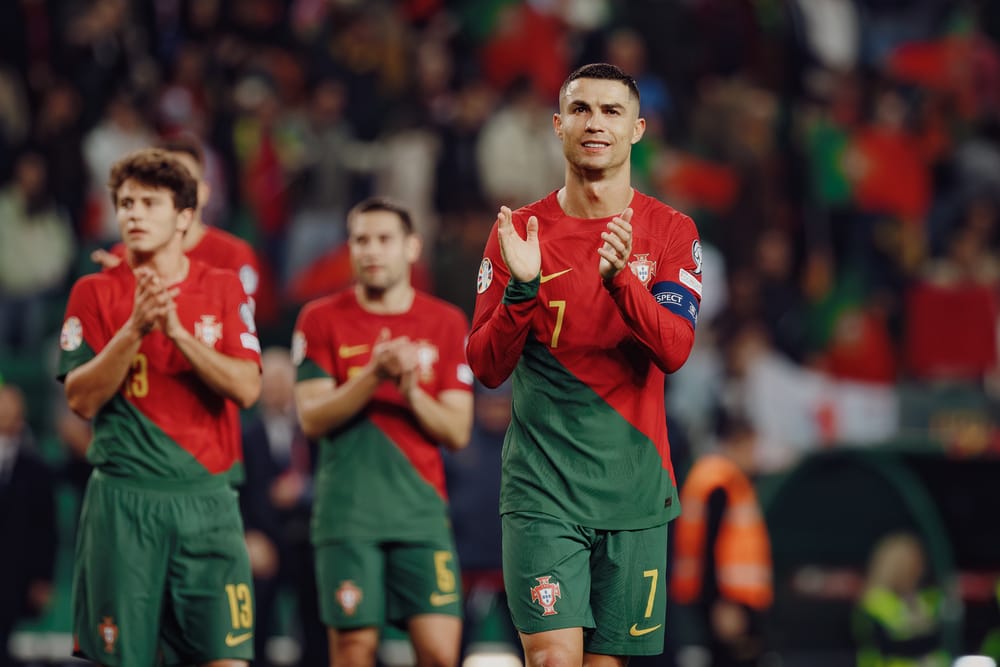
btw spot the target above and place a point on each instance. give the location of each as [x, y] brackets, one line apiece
[551, 656]
[437, 656]
[353, 650]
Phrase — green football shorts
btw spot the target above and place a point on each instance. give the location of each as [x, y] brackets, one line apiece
[610, 583]
[365, 583]
[161, 574]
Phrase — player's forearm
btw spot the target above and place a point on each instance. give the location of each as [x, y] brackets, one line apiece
[447, 422]
[495, 345]
[667, 337]
[89, 386]
[230, 377]
[323, 412]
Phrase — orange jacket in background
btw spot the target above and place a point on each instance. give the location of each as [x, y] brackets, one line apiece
[742, 549]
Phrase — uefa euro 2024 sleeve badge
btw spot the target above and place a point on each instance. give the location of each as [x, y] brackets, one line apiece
[546, 593]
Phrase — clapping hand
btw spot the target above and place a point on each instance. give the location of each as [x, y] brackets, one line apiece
[617, 246]
[523, 257]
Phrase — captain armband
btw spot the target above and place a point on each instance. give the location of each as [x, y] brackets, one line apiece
[677, 299]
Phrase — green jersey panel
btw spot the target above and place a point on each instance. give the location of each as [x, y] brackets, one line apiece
[367, 488]
[569, 454]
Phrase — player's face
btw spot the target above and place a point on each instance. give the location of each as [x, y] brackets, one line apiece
[381, 250]
[598, 121]
[147, 218]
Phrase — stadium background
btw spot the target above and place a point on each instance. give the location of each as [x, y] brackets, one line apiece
[841, 159]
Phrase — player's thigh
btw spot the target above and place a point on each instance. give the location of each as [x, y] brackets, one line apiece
[119, 575]
[350, 583]
[629, 594]
[546, 572]
[422, 578]
[209, 615]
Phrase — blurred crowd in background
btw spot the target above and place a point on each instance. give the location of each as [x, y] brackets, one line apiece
[841, 159]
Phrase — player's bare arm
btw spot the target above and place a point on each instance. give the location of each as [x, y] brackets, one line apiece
[91, 385]
[446, 418]
[523, 257]
[106, 260]
[322, 405]
[233, 378]
[617, 246]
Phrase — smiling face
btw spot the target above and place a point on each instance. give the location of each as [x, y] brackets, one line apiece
[382, 249]
[598, 121]
[147, 217]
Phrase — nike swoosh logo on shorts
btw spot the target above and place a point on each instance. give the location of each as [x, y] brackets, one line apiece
[636, 632]
[236, 640]
[441, 599]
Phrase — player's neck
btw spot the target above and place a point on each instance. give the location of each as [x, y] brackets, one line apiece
[194, 234]
[171, 264]
[390, 301]
[586, 196]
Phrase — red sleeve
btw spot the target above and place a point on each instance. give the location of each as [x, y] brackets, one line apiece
[455, 368]
[502, 318]
[311, 343]
[663, 318]
[239, 332]
[84, 305]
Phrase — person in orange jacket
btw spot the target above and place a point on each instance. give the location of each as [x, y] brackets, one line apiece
[721, 579]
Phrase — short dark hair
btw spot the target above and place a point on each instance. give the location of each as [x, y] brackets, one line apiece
[184, 143]
[156, 168]
[381, 204]
[604, 71]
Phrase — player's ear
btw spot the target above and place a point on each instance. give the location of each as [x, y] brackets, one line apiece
[638, 129]
[204, 192]
[413, 247]
[184, 219]
[557, 125]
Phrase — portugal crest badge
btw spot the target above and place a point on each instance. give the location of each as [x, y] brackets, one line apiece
[643, 268]
[348, 597]
[109, 634]
[208, 330]
[546, 593]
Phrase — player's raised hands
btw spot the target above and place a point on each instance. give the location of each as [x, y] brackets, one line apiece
[617, 246]
[149, 305]
[523, 257]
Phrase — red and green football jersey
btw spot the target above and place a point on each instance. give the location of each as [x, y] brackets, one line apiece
[380, 476]
[164, 422]
[222, 250]
[588, 436]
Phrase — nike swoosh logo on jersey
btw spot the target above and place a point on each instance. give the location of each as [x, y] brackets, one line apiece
[236, 640]
[346, 351]
[636, 632]
[546, 278]
[441, 599]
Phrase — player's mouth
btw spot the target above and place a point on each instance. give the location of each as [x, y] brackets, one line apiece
[594, 146]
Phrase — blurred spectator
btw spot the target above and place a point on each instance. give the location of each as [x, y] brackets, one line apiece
[27, 521]
[15, 123]
[897, 622]
[122, 130]
[473, 477]
[519, 157]
[58, 132]
[722, 572]
[276, 502]
[36, 252]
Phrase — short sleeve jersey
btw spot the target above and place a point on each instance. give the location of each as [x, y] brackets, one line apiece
[588, 436]
[380, 476]
[164, 422]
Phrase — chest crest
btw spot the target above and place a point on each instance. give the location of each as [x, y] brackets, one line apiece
[643, 269]
[208, 330]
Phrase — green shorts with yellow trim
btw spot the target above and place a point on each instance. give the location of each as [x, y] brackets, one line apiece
[610, 583]
[162, 574]
[364, 583]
